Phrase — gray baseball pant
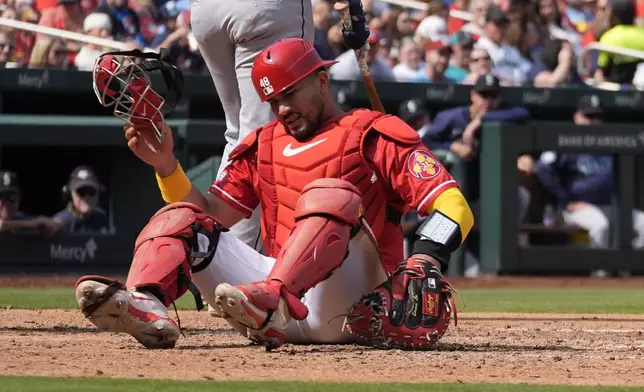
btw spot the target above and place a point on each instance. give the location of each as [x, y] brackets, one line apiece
[231, 33]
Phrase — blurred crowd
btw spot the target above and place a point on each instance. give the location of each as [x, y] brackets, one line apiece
[138, 23]
[522, 42]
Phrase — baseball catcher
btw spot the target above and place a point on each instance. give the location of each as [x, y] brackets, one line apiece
[230, 34]
[331, 187]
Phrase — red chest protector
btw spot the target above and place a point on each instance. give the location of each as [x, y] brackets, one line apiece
[287, 166]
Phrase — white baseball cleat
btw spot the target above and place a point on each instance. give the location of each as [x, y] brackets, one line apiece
[112, 308]
[216, 312]
[258, 307]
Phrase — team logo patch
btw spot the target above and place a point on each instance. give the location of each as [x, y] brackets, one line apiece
[422, 165]
[430, 304]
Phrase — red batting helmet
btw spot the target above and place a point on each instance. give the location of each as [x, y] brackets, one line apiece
[283, 64]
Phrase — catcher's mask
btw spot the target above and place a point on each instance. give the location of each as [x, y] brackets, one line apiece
[121, 80]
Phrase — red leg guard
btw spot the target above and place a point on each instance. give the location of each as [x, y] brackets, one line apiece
[327, 215]
[163, 253]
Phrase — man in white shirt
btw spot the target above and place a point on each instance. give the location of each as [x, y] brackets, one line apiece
[510, 67]
[410, 60]
[95, 25]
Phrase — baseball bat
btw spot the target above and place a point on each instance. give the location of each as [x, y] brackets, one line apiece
[342, 7]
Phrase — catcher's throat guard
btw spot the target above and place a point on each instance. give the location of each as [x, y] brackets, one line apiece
[122, 80]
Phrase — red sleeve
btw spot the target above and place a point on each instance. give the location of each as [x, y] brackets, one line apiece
[411, 170]
[237, 184]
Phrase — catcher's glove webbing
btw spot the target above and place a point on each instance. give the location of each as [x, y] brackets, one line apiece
[412, 309]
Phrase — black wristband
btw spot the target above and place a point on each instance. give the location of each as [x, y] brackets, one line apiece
[435, 250]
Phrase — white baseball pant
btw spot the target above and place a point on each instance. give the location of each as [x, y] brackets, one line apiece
[236, 263]
[231, 33]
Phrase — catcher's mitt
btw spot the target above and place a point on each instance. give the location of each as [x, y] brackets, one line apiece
[412, 309]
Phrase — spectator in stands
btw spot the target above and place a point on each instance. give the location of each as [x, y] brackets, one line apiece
[323, 19]
[6, 48]
[555, 24]
[404, 27]
[183, 47]
[555, 66]
[66, 15]
[335, 39]
[11, 218]
[580, 13]
[455, 24]
[530, 43]
[21, 41]
[95, 25]
[457, 130]
[462, 44]
[437, 57]
[480, 64]
[82, 213]
[478, 10]
[414, 113]
[431, 29]
[125, 21]
[583, 183]
[509, 65]
[166, 18]
[48, 52]
[347, 68]
[410, 61]
[622, 34]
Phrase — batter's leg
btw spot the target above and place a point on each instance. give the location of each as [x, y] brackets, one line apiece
[218, 51]
[210, 20]
[593, 220]
[288, 19]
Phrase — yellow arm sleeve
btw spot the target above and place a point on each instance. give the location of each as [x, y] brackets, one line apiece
[175, 187]
[453, 204]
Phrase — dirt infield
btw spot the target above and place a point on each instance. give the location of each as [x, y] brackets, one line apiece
[543, 349]
[459, 283]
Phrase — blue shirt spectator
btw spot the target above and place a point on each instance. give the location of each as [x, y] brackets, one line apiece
[457, 130]
[450, 125]
[436, 62]
[574, 177]
[125, 21]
